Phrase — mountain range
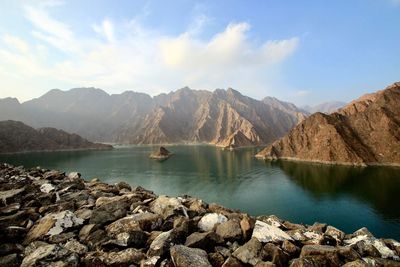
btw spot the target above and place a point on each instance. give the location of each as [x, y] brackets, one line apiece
[364, 132]
[222, 117]
[18, 137]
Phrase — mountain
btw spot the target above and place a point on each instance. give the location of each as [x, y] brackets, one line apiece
[327, 107]
[364, 132]
[18, 137]
[222, 117]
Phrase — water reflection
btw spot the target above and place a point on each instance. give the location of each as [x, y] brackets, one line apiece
[377, 186]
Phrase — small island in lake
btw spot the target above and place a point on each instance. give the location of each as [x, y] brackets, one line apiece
[161, 154]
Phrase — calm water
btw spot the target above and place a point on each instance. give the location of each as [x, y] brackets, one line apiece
[345, 197]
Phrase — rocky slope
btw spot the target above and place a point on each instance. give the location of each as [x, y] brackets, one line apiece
[365, 132]
[18, 137]
[184, 116]
[327, 107]
[48, 218]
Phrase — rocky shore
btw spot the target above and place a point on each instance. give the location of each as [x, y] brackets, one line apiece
[49, 218]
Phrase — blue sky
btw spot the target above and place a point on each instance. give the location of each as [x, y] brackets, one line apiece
[305, 52]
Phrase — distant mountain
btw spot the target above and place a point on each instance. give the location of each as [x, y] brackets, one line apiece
[327, 107]
[222, 117]
[18, 137]
[364, 132]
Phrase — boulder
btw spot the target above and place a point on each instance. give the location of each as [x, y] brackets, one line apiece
[229, 230]
[183, 256]
[329, 253]
[249, 253]
[161, 154]
[205, 240]
[167, 206]
[274, 254]
[160, 244]
[208, 221]
[268, 233]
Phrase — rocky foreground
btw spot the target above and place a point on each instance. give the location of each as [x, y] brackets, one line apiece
[48, 218]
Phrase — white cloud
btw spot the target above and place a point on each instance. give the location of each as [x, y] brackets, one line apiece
[142, 59]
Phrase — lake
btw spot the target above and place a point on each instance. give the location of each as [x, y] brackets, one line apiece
[345, 197]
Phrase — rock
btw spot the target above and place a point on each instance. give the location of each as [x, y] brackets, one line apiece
[265, 264]
[9, 194]
[47, 188]
[76, 247]
[40, 229]
[11, 260]
[189, 257]
[329, 253]
[160, 245]
[167, 206]
[64, 220]
[318, 227]
[356, 263]
[290, 248]
[122, 258]
[209, 220]
[73, 176]
[147, 221]
[9, 209]
[86, 230]
[384, 250]
[365, 249]
[61, 238]
[229, 230]
[123, 185]
[311, 261]
[150, 262]
[84, 214]
[38, 254]
[232, 262]
[216, 259]
[161, 154]
[109, 209]
[268, 233]
[348, 253]
[249, 253]
[274, 254]
[334, 232]
[247, 225]
[205, 241]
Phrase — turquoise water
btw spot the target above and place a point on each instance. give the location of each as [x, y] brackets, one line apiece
[346, 197]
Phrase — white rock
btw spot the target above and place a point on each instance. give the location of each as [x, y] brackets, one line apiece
[74, 175]
[356, 239]
[208, 221]
[383, 249]
[268, 233]
[65, 219]
[47, 188]
[314, 236]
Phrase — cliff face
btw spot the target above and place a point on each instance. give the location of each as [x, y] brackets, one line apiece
[18, 137]
[365, 132]
[192, 116]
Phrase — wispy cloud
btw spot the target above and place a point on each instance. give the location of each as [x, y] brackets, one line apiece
[134, 57]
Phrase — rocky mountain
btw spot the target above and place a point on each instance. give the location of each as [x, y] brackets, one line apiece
[18, 137]
[364, 132]
[222, 117]
[326, 107]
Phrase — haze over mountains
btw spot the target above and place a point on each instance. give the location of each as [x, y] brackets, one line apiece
[364, 132]
[223, 117]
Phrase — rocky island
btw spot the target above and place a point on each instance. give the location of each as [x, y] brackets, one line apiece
[161, 154]
[49, 218]
[364, 132]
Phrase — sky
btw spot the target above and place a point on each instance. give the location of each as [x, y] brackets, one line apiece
[306, 52]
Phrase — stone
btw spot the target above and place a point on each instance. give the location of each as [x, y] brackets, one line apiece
[384, 250]
[208, 221]
[125, 258]
[328, 252]
[160, 244]
[312, 261]
[38, 254]
[9, 194]
[356, 263]
[76, 247]
[365, 249]
[265, 264]
[348, 253]
[47, 188]
[147, 221]
[232, 262]
[247, 225]
[269, 233]
[11, 260]
[183, 256]
[274, 254]
[123, 185]
[74, 176]
[216, 259]
[249, 253]
[167, 206]
[83, 214]
[290, 248]
[10, 208]
[205, 240]
[229, 230]
[86, 230]
[40, 229]
[150, 262]
[61, 238]
[334, 232]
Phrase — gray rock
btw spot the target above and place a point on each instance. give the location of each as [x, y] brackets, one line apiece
[209, 220]
[160, 244]
[229, 230]
[189, 257]
[206, 240]
[249, 253]
[167, 206]
[334, 232]
[274, 254]
[76, 247]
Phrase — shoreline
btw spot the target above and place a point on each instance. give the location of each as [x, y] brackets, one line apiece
[49, 216]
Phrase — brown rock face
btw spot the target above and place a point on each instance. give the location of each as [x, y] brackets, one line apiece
[18, 137]
[365, 132]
